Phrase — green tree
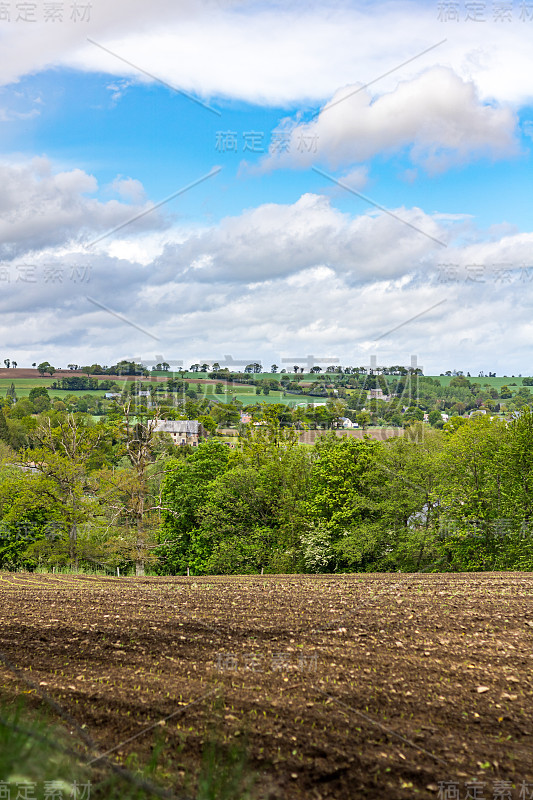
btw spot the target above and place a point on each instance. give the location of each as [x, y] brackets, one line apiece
[137, 508]
[434, 417]
[344, 494]
[363, 419]
[253, 515]
[61, 454]
[38, 391]
[414, 414]
[30, 514]
[454, 424]
[4, 430]
[516, 496]
[470, 492]
[183, 492]
[45, 367]
[208, 422]
[22, 408]
[40, 399]
[336, 409]
[410, 508]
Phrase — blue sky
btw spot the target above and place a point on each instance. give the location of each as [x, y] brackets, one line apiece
[165, 140]
[268, 258]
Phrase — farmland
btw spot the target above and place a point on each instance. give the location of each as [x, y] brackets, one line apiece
[25, 380]
[336, 686]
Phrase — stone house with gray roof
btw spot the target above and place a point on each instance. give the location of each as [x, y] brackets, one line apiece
[182, 431]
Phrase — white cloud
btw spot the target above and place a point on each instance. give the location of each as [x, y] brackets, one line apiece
[129, 189]
[10, 115]
[275, 240]
[304, 276]
[436, 116]
[40, 208]
[301, 273]
[274, 54]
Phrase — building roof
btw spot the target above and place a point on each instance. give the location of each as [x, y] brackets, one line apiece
[190, 426]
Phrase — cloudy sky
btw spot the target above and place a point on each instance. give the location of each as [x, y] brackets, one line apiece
[234, 181]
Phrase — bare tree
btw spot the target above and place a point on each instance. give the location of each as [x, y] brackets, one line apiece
[139, 443]
[61, 455]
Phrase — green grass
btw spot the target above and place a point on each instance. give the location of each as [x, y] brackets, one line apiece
[244, 392]
[248, 398]
[497, 383]
[30, 751]
[34, 749]
[23, 387]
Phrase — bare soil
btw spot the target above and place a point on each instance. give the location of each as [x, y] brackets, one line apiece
[342, 686]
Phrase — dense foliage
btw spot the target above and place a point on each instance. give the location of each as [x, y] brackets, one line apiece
[109, 492]
[459, 499]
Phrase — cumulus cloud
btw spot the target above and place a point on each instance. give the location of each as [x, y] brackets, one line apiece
[437, 117]
[129, 189]
[325, 316]
[303, 275]
[40, 208]
[276, 240]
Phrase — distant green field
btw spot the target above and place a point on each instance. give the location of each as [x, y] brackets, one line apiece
[191, 376]
[23, 386]
[24, 383]
[497, 383]
[247, 397]
[244, 392]
[307, 377]
[277, 397]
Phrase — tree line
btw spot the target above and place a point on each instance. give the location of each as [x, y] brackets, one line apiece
[115, 494]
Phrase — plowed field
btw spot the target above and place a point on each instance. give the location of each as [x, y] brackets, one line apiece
[345, 686]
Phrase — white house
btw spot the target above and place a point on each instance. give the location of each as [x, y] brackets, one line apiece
[347, 423]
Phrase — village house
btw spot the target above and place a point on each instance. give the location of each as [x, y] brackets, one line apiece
[346, 422]
[377, 394]
[182, 431]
